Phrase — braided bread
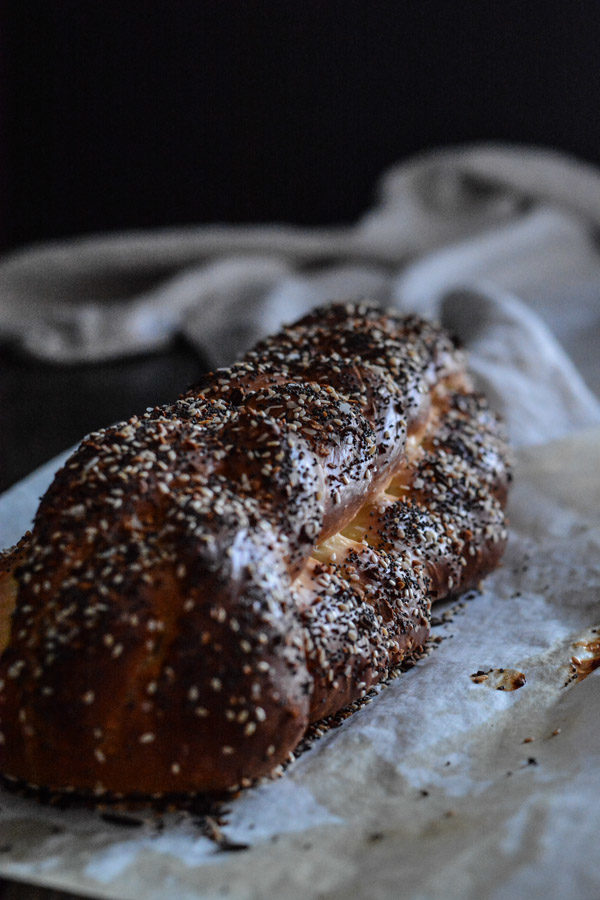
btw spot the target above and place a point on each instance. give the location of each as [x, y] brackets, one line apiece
[205, 581]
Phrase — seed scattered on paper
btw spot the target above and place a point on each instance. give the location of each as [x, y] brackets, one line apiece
[500, 679]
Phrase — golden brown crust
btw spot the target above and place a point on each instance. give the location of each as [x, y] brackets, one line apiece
[204, 581]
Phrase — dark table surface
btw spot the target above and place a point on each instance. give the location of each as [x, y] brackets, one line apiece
[16, 890]
[45, 409]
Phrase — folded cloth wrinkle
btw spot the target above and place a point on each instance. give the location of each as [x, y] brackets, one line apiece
[531, 173]
[519, 365]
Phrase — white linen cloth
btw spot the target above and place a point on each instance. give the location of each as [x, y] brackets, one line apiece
[500, 244]
[522, 219]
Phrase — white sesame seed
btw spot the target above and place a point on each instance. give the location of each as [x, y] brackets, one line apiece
[15, 670]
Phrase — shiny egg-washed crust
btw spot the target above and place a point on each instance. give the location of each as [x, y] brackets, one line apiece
[205, 581]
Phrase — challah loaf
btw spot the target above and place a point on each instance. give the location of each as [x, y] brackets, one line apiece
[204, 581]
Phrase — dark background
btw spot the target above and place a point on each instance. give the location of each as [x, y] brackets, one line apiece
[125, 114]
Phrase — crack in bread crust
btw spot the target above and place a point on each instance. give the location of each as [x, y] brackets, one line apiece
[435, 528]
[206, 580]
